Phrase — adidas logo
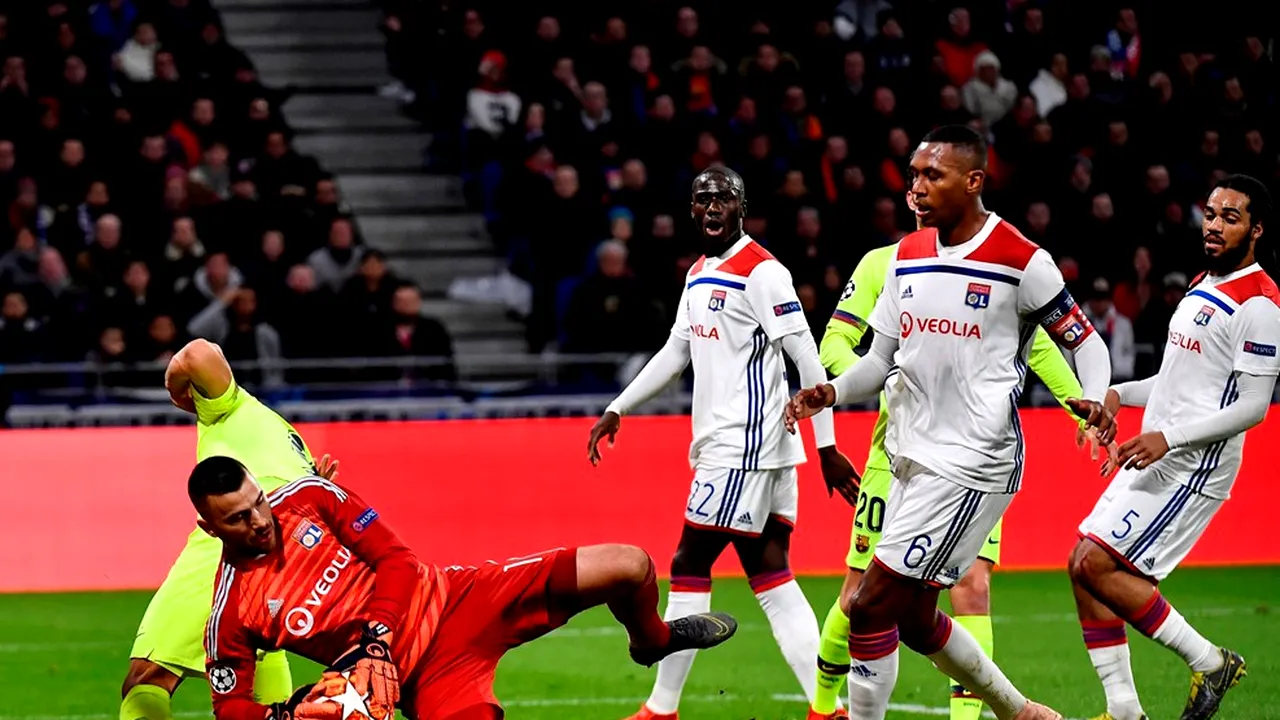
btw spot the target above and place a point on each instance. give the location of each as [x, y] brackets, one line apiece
[951, 573]
[1149, 563]
[273, 607]
[743, 519]
[906, 293]
[862, 671]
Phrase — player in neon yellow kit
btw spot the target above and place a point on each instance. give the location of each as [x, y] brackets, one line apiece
[970, 598]
[170, 642]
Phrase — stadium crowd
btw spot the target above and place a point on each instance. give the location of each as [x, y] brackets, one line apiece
[580, 133]
[152, 195]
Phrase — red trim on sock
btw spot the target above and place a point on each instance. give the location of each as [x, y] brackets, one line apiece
[873, 646]
[689, 584]
[770, 580]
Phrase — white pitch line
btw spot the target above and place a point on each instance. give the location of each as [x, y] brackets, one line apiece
[561, 702]
[610, 631]
[896, 707]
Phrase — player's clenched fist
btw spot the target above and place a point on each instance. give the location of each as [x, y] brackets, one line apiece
[372, 674]
[809, 402]
[1096, 415]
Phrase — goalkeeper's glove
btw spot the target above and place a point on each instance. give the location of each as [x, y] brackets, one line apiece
[303, 705]
[373, 673]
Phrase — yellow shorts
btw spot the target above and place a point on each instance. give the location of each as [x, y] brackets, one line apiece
[171, 633]
[868, 522]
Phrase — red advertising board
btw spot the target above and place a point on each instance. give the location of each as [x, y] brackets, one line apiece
[107, 508]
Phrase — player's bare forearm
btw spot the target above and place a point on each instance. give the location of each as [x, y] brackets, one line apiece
[200, 364]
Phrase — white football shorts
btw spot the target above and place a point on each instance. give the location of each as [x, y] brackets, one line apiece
[934, 529]
[741, 501]
[1148, 521]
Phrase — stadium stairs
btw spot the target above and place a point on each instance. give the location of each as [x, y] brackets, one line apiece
[331, 55]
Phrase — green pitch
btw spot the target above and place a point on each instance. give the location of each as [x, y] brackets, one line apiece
[66, 654]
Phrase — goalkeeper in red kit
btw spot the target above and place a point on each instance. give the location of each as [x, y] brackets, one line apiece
[312, 569]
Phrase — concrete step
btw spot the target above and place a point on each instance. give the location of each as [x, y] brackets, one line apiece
[435, 275]
[487, 347]
[320, 113]
[335, 20]
[356, 80]
[350, 39]
[373, 193]
[340, 63]
[493, 326]
[433, 245]
[225, 5]
[408, 233]
[393, 152]
[463, 313]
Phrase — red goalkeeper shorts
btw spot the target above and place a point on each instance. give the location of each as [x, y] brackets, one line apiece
[490, 609]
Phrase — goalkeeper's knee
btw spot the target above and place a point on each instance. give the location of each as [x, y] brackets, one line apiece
[146, 702]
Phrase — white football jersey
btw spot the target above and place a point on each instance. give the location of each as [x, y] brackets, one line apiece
[1225, 326]
[964, 317]
[734, 312]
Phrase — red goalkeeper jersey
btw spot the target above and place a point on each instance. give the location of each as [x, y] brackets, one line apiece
[337, 567]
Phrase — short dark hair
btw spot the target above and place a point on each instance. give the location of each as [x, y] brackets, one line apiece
[963, 137]
[216, 475]
[1260, 207]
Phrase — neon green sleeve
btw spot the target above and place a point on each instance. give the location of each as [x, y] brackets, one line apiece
[849, 321]
[1048, 363]
[211, 410]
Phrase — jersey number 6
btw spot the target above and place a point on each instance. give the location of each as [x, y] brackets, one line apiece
[920, 545]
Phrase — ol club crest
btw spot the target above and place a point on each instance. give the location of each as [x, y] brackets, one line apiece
[716, 304]
[1204, 316]
[978, 296]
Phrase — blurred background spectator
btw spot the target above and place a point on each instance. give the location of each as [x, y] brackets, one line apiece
[154, 192]
[1107, 122]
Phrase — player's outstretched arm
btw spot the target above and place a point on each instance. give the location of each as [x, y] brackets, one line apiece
[396, 576]
[837, 471]
[661, 370]
[1134, 393]
[199, 365]
[863, 382]
[1253, 398]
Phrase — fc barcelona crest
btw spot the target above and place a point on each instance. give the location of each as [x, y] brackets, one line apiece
[716, 303]
[862, 543]
[1204, 316]
[978, 296]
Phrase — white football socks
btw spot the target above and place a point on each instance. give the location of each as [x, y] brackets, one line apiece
[795, 628]
[673, 670]
[873, 673]
[1177, 634]
[962, 659]
[1116, 674]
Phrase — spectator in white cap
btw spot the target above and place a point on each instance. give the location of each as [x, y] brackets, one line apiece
[989, 95]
